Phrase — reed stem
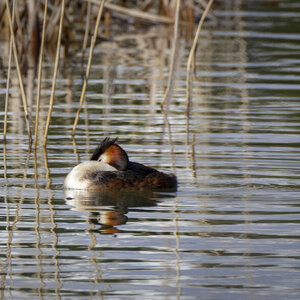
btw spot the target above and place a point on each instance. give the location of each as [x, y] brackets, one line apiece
[8, 81]
[87, 27]
[168, 92]
[55, 72]
[40, 77]
[188, 69]
[23, 96]
[93, 42]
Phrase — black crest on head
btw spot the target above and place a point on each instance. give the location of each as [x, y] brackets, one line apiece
[106, 143]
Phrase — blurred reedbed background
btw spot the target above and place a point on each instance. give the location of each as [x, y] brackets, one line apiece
[47, 31]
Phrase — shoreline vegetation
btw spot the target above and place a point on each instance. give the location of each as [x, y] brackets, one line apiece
[59, 28]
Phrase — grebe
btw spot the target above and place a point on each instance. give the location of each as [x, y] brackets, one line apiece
[109, 168]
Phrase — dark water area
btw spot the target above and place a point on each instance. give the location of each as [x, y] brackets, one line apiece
[230, 231]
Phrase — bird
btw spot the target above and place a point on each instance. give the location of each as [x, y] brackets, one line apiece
[109, 168]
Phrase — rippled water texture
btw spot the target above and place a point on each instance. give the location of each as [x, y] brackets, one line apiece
[230, 231]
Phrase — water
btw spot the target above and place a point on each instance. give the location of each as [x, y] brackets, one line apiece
[231, 230]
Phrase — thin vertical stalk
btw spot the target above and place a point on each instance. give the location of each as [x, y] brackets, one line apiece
[84, 46]
[170, 140]
[23, 96]
[4, 163]
[189, 65]
[87, 26]
[8, 80]
[76, 149]
[193, 158]
[38, 96]
[46, 167]
[93, 42]
[168, 93]
[55, 72]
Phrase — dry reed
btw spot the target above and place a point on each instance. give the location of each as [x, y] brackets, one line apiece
[87, 27]
[40, 77]
[136, 13]
[55, 72]
[168, 93]
[188, 68]
[8, 81]
[24, 100]
[92, 46]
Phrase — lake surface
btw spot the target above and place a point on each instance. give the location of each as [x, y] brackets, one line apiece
[231, 230]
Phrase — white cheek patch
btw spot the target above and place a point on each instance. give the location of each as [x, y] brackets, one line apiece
[104, 158]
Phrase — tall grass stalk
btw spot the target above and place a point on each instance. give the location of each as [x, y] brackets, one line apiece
[8, 80]
[87, 27]
[168, 92]
[55, 72]
[24, 100]
[188, 69]
[93, 42]
[38, 96]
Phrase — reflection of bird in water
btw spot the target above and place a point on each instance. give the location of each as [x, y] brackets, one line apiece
[109, 208]
[109, 167]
